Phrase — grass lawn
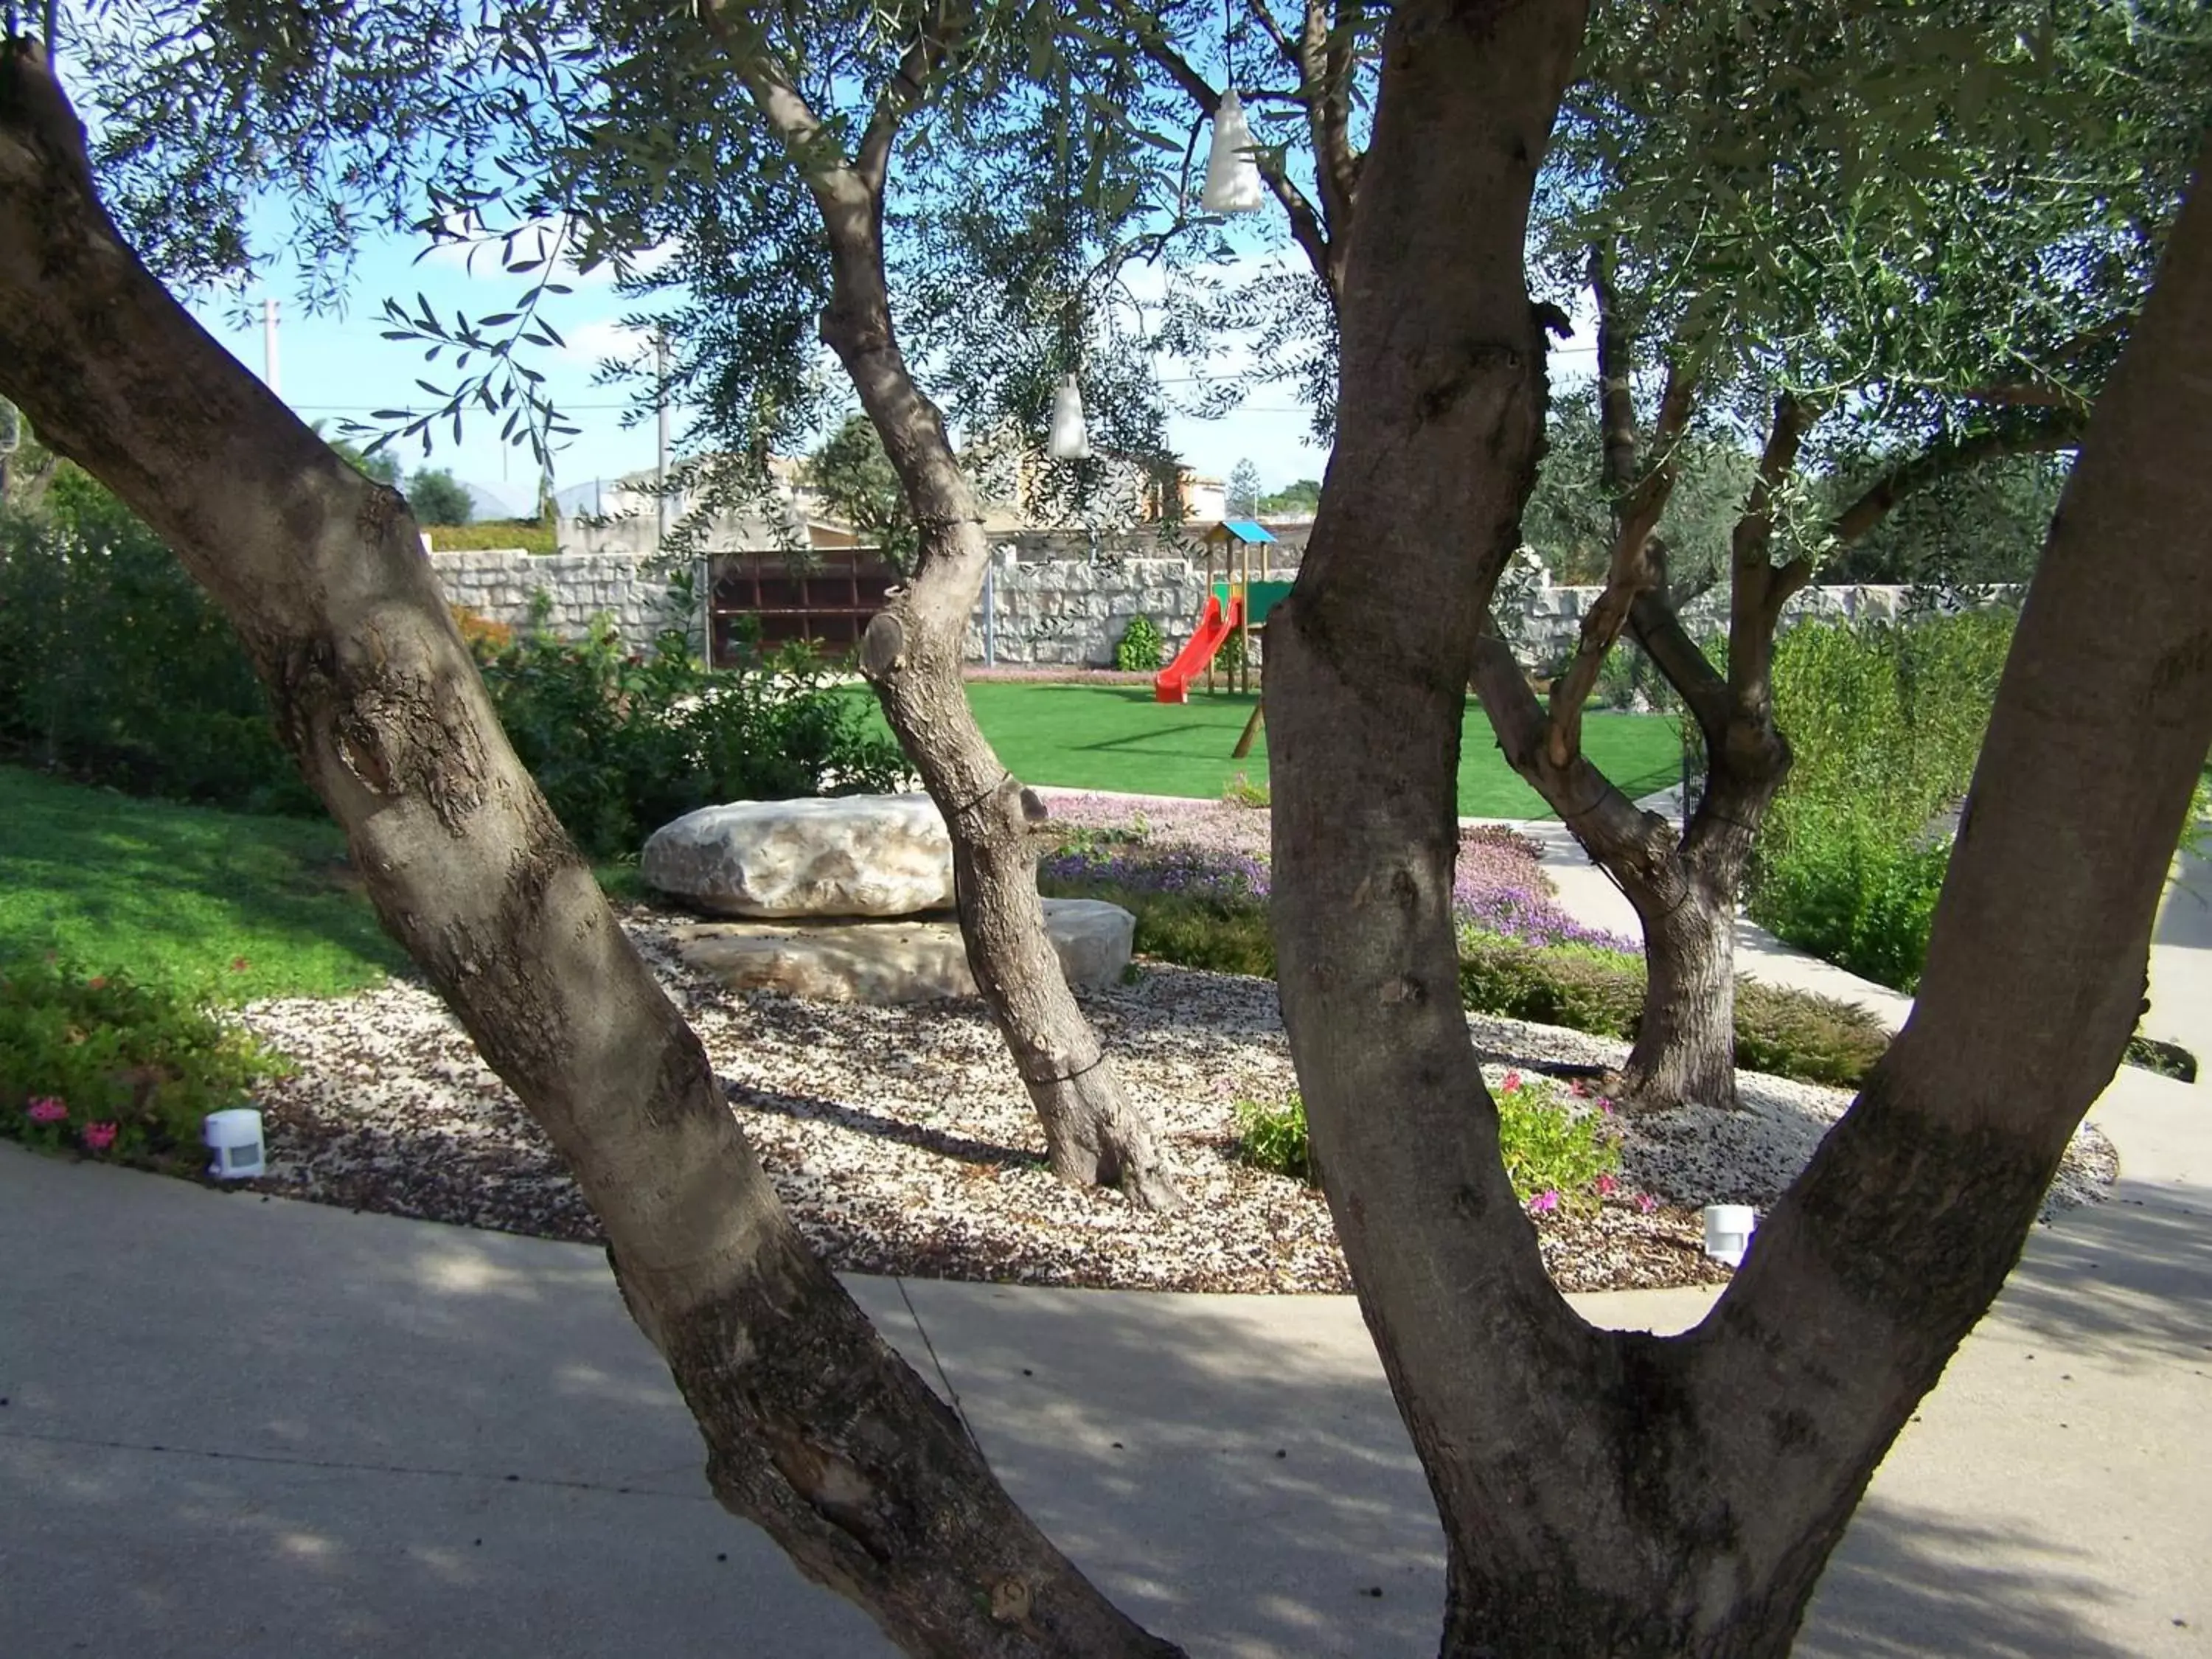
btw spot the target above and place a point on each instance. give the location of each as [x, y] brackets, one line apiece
[176, 894]
[1117, 736]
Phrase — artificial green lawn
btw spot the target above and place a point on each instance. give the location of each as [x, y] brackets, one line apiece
[176, 895]
[1117, 736]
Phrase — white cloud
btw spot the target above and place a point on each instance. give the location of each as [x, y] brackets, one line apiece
[606, 337]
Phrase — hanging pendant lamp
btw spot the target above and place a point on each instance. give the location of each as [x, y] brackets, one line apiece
[1068, 440]
[1232, 172]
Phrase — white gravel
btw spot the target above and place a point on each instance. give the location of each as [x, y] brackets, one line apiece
[901, 1141]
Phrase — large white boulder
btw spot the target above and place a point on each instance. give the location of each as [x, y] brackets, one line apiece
[844, 855]
[888, 961]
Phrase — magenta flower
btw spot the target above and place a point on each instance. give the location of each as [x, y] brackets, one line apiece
[1577, 1089]
[1545, 1202]
[47, 1110]
[1607, 1186]
[99, 1136]
[1646, 1203]
[1512, 1082]
[1605, 1105]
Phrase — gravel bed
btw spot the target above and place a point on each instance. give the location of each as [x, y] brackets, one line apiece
[901, 1142]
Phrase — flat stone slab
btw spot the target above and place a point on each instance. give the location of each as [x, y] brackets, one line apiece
[889, 961]
[841, 855]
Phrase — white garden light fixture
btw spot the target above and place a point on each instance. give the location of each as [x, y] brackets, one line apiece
[234, 1138]
[1728, 1228]
[1233, 169]
[1068, 438]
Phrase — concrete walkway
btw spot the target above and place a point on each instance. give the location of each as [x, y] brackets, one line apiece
[243, 1426]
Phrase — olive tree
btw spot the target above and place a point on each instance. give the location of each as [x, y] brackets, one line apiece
[1600, 1492]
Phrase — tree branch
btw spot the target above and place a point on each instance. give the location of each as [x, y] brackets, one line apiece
[1307, 228]
[837, 186]
[1950, 456]
[1324, 60]
[943, 27]
[1638, 501]
[1752, 609]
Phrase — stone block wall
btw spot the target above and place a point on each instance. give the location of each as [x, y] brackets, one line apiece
[498, 585]
[1046, 606]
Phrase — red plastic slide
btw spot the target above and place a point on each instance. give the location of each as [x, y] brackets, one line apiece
[1172, 683]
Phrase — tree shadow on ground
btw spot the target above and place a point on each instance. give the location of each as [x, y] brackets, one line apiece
[1904, 1585]
[405, 1437]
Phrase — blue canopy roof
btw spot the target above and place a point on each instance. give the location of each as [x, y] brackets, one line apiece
[1242, 529]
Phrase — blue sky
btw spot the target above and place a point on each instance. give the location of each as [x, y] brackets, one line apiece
[337, 365]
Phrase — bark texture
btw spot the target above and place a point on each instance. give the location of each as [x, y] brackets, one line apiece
[1095, 1135]
[814, 1428]
[1619, 1493]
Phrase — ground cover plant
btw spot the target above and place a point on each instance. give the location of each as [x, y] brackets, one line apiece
[104, 1066]
[1197, 878]
[1561, 1142]
[1077, 736]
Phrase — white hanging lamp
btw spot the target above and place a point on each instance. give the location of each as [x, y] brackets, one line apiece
[1232, 170]
[1068, 440]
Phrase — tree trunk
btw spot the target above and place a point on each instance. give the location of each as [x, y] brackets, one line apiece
[1684, 1047]
[814, 1428]
[1618, 1493]
[1094, 1135]
[911, 654]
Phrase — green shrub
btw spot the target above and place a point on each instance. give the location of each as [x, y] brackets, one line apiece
[1141, 648]
[1224, 935]
[1814, 1039]
[1885, 722]
[1274, 1138]
[114, 1069]
[115, 668]
[620, 745]
[1784, 1033]
[527, 534]
[1577, 985]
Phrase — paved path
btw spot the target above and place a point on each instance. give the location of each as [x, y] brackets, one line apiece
[245, 1427]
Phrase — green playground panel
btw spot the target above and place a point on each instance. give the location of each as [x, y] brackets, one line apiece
[1260, 597]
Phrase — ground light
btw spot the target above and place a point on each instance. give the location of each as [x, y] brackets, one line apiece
[234, 1138]
[1728, 1228]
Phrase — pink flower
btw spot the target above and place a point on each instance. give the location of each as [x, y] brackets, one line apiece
[1512, 1082]
[1544, 1203]
[47, 1110]
[99, 1136]
[1605, 1105]
[1607, 1186]
[1578, 1088]
[1646, 1203]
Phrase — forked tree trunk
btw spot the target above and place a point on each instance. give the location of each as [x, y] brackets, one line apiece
[814, 1428]
[1623, 1494]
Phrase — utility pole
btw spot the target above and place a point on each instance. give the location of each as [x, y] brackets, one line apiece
[660, 403]
[269, 347]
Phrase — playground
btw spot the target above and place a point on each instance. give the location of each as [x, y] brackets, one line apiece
[1119, 736]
